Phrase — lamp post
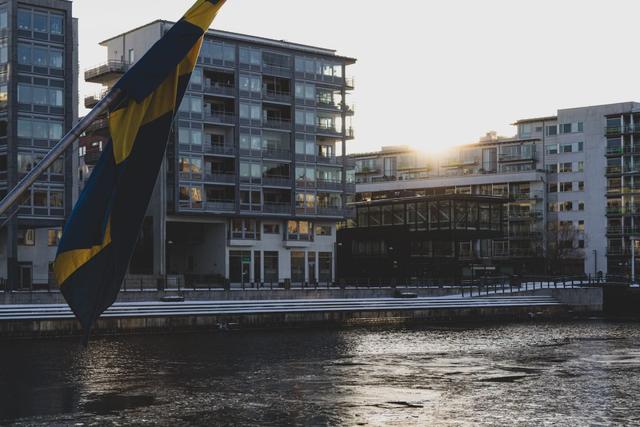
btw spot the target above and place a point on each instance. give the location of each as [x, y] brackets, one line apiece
[633, 240]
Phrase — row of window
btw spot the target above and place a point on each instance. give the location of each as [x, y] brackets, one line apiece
[38, 95]
[563, 187]
[40, 22]
[40, 129]
[27, 237]
[575, 147]
[43, 198]
[40, 56]
[240, 264]
[27, 161]
[565, 167]
[568, 206]
[565, 128]
[249, 229]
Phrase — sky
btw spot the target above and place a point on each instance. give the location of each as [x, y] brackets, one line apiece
[430, 74]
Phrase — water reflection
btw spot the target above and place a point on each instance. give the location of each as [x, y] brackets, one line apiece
[533, 373]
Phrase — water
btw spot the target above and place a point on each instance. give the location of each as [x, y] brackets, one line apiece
[578, 373]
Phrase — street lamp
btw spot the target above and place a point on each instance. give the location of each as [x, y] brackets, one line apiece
[633, 240]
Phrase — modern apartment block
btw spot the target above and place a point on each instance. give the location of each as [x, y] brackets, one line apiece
[256, 174]
[38, 103]
[569, 181]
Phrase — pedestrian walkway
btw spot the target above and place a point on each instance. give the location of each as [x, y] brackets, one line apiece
[212, 308]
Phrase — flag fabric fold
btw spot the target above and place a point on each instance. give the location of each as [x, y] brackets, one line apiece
[100, 235]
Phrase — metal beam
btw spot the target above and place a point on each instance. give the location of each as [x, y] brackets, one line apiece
[25, 183]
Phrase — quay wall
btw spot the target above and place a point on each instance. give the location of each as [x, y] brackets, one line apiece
[171, 324]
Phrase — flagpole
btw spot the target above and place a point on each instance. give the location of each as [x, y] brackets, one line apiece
[62, 145]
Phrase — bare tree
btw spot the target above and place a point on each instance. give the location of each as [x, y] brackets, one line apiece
[563, 244]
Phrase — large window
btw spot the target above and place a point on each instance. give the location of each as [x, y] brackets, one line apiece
[297, 267]
[325, 267]
[299, 230]
[271, 270]
[38, 95]
[245, 229]
[39, 129]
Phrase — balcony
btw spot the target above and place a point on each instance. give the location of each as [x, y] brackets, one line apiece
[223, 150]
[334, 212]
[329, 185]
[509, 158]
[277, 208]
[90, 101]
[616, 252]
[98, 125]
[276, 96]
[614, 151]
[276, 181]
[272, 153]
[614, 210]
[220, 117]
[91, 157]
[219, 88]
[350, 83]
[323, 160]
[213, 206]
[328, 130]
[273, 123]
[110, 70]
[220, 178]
[613, 170]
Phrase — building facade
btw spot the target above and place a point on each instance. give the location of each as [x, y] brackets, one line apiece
[569, 180]
[256, 173]
[38, 104]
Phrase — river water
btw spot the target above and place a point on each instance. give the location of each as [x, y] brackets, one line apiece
[575, 373]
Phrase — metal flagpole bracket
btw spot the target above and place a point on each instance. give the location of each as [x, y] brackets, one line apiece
[25, 183]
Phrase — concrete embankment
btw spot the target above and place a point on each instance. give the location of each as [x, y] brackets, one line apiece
[314, 309]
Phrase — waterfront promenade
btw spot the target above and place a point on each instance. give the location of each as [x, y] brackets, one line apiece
[149, 311]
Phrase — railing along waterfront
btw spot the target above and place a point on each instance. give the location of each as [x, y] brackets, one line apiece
[467, 287]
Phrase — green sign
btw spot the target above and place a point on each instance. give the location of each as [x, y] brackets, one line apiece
[246, 260]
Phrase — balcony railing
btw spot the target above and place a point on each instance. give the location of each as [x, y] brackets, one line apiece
[517, 157]
[276, 95]
[228, 150]
[273, 153]
[276, 181]
[332, 211]
[617, 130]
[225, 178]
[220, 117]
[323, 184]
[209, 206]
[277, 208]
[277, 123]
[109, 67]
[218, 88]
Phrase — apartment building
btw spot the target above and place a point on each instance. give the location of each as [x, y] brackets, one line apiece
[569, 181]
[256, 173]
[38, 104]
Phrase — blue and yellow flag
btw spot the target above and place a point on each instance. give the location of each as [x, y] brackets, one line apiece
[100, 236]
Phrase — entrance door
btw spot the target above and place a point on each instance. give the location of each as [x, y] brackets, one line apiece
[311, 256]
[25, 276]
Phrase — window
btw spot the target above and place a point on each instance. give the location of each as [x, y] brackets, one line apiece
[3, 19]
[297, 266]
[54, 237]
[553, 188]
[323, 230]
[552, 149]
[325, 267]
[581, 225]
[580, 185]
[580, 206]
[271, 228]
[245, 229]
[565, 128]
[566, 186]
[27, 237]
[40, 23]
[132, 56]
[24, 19]
[553, 168]
[552, 130]
[271, 270]
[299, 230]
[56, 24]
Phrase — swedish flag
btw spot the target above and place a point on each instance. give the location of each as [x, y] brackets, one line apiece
[100, 236]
